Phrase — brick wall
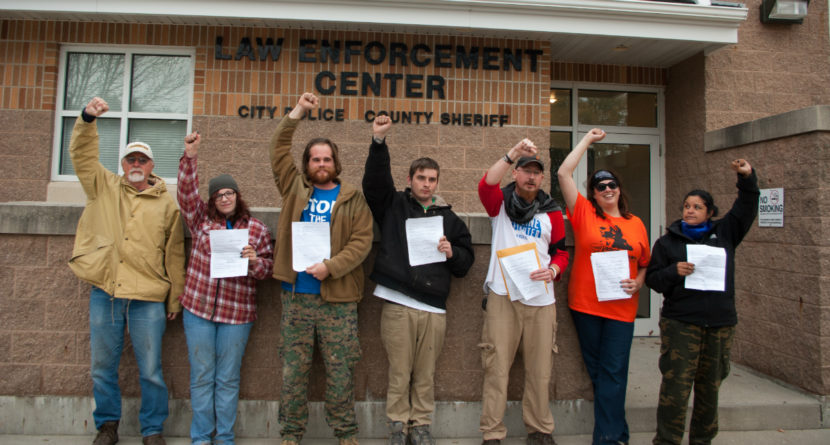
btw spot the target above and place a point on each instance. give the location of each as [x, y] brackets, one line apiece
[774, 68]
[29, 52]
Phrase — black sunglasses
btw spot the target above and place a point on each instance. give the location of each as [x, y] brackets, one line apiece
[611, 185]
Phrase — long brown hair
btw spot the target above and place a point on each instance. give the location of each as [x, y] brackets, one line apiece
[241, 210]
[622, 203]
[334, 155]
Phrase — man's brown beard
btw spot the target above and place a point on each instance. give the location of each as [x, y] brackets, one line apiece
[315, 179]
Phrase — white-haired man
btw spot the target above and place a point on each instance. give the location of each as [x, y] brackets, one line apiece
[129, 246]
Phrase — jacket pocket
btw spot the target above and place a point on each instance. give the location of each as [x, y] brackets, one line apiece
[346, 289]
[92, 263]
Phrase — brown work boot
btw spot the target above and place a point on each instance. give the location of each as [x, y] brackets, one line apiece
[288, 442]
[107, 434]
[153, 439]
[540, 438]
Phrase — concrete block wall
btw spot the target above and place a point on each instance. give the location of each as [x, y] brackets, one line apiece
[773, 69]
[44, 334]
[781, 273]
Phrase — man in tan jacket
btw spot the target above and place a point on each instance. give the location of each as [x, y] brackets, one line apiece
[319, 296]
[129, 246]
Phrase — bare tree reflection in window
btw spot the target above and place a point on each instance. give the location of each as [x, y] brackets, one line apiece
[94, 74]
[160, 84]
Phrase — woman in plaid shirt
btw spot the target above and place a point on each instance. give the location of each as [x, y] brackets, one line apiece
[218, 312]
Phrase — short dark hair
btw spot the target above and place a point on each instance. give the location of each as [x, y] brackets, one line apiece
[708, 201]
[334, 154]
[423, 163]
[241, 210]
[602, 175]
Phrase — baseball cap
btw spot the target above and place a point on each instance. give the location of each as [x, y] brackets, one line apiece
[137, 147]
[524, 160]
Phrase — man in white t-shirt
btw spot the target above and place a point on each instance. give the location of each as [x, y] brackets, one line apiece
[520, 213]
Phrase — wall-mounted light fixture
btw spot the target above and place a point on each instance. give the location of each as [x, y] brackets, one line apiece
[783, 11]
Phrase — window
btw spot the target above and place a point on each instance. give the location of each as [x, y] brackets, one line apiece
[149, 92]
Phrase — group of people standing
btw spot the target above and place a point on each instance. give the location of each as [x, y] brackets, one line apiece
[130, 247]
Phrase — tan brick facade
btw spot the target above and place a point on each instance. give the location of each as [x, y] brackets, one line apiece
[783, 306]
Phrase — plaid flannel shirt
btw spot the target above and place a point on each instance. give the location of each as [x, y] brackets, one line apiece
[224, 300]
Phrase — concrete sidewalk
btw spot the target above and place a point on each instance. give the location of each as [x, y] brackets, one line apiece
[800, 437]
[753, 410]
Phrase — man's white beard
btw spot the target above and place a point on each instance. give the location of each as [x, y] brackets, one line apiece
[136, 176]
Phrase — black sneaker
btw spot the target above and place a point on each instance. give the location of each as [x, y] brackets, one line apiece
[491, 442]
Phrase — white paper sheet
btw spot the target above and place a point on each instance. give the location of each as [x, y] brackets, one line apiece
[310, 244]
[422, 236]
[226, 253]
[516, 269]
[710, 267]
[609, 269]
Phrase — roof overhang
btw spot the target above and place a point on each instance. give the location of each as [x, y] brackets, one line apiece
[627, 32]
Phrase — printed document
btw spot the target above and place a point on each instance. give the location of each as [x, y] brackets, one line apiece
[226, 253]
[310, 244]
[516, 265]
[710, 267]
[422, 236]
[610, 268]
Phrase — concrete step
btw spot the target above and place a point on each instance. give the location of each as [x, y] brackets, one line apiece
[795, 437]
[748, 402]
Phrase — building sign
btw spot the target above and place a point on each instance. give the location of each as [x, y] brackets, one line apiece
[395, 55]
[771, 208]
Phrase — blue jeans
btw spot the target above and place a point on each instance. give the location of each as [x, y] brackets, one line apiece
[606, 346]
[145, 321]
[215, 352]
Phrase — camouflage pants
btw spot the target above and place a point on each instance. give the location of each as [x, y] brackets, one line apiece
[696, 356]
[306, 317]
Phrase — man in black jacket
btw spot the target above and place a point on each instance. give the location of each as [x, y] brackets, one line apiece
[413, 322]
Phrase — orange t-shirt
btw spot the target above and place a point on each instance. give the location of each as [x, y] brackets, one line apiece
[593, 234]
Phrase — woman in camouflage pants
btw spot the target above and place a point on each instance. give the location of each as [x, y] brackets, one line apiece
[696, 326]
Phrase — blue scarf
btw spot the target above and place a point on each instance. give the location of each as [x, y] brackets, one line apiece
[695, 232]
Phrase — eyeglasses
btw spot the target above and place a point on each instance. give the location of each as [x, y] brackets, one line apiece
[611, 185]
[229, 194]
[132, 160]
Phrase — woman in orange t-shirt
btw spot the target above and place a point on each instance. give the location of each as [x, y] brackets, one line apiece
[602, 223]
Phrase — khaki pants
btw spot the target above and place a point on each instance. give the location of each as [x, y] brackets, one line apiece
[413, 340]
[506, 324]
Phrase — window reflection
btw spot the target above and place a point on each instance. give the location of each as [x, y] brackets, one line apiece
[560, 146]
[617, 108]
[560, 107]
[89, 75]
[160, 84]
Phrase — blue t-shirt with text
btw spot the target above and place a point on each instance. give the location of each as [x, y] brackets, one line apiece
[318, 209]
